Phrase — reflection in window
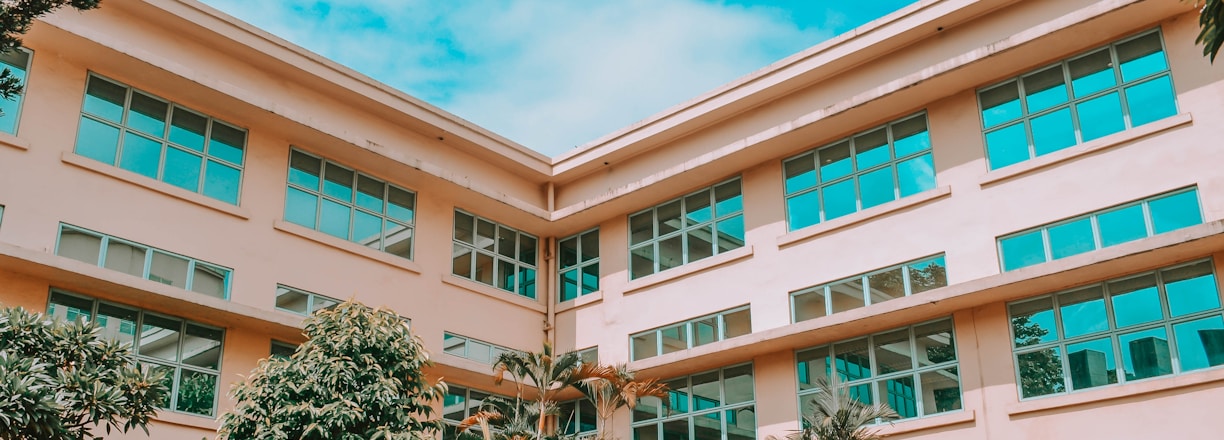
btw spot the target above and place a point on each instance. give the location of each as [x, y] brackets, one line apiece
[350, 205]
[18, 63]
[460, 403]
[579, 264]
[473, 349]
[577, 418]
[1126, 84]
[870, 288]
[300, 301]
[1146, 325]
[189, 353]
[1115, 225]
[161, 140]
[913, 369]
[142, 261]
[716, 404]
[692, 333]
[864, 170]
[494, 254]
[702, 224]
[282, 350]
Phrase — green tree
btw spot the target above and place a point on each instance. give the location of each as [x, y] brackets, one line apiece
[358, 376]
[1211, 26]
[16, 16]
[60, 381]
[613, 388]
[549, 375]
[837, 416]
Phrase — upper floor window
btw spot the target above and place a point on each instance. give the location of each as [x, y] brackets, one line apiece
[870, 168]
[494, 254]
[912, 369]
[147, 135]
[1104, 228]
[687, 229]
[350, 205]
[143, 261]
[300, 301]
[1146, 325]
[473, 349]
[1120, 86]
[579, 265]
[691, 333]
[717, 404]
[870, 288]
[18, 64]
[188, 353]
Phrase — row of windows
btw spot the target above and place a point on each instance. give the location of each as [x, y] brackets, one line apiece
[691, 333]
[473, 349]
[715, 405]
[494, 254]
[143, 261]
[687, 229]
[870, 288]
[300, 301]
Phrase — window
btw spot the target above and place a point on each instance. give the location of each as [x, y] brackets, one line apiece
[300, 301]
[338, 201]
[712, 405]
[1123, 85]
[17, 62]
[143, 261]
[589, 355]
[577, 418]
[188, 353]
[493, 254]
[1115, 225]
[1146, 325]
[681, 231]
[871, 288]
[691, 333]
[1, 214]
[912, 369]
[161, 140]
[870, 168]
[579, 264]
[473, 349]
[282, 350]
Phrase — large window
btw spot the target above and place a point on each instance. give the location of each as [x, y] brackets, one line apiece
[474, 349]
[143, 261]
[681, 231]
[1123, 85]
[188, 353]
[1111, 226]
[147, 135]
[18, 63]
[870, 288]
[691, 333]
[577, 418]
[300, 301]
[1146, 325]
[339, 201]
[870, 168]
[493, 254]
[912, 369]
[461, 403]
[579, 265]
[715, 405]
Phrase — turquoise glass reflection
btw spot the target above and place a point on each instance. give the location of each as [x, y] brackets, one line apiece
[10, 109]
[1100, 116]
[839, 199]
[876, 187]
[1191, 289]
[1200, 344]
[1135, 301]
[1175, 212]
[1150, 101]
[1007, 146]
[1122, 225]
[1092, 364]
[1022, 250]
[803, 210]
[916, 175]
[1053, 131]
[1146, 354]
[141, 155]
[97, 141]
[1071, 238]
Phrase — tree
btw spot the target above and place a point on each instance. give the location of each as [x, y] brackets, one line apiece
[837, 416]
[358, 376]
[548, 374]
[60, 380]
[1211, 26]
[1040, 371]
[613, 388]
[16, 16]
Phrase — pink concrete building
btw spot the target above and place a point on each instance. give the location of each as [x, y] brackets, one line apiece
[1000, 217]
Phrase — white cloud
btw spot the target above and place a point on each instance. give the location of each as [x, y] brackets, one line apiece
[549, 74]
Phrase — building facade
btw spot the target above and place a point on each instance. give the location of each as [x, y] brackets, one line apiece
[1000, 217]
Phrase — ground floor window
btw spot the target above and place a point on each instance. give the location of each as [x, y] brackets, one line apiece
[714, 405]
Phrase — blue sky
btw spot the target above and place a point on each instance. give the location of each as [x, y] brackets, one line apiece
[554, 74]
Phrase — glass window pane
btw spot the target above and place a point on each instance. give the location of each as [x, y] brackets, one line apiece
[648, 432]
[79, 246]
[934, 343]
[590, 246]
[16, 61]
[641, 227]
[479, 351]
[105, 99]
[304, 170]
[671, 253]
[69, 308]
[676, 430]
[159, 337]
[1071, 238]
[705, 331]
[300, 207]
[892, 352]
[320, 303]
[1122, 225]
[809, 305]
[226, 143]
[367, 229]
[398, 239]
[1141, 57]
[338, 182]
[678, 397]
[674, 338]
[182, 169]
[1092, 73]
[125, 257]
[334, 219]
[590, 278]
[886, 285]
[1022, 250]
[567, 250]
[454, 344]
[197, 393]
[706, 393]
[1033, 322]
[1083, 312]
[464, 231]
[800, 173]
[370, 193]
[910, 136]
[847, 295]
[1092, 363]
[484, 268]
[707, 427]
[1146, 354]
[738, 384]
[697, 208]
[852, 359]
[1100, 116]
[1045, 89]
[461, 263]
[485, 234]
[168, 269]
[527, 249]
[737, 323]
[730, 233]
[940, 391]
[1053, 131]
[871, 149]
[803, 210]
[1151, 101]
[1041, 372]
[834, 162]
[119, 323]
[401, 204]
[813, 365]
[202, 347]
[645, 346]
[1135, 301]
[147, 114]
[839, 199]
[1200, 344]
[1000, 104]
[1006, 146]
[1191, 289]
[167, 374]
[292, 300]
[97, 141]
[900, 395]
[728, 199]
[507, 241]
[877, 187]
[916, 175]
[927, 275]
[140, 155]
[700, 243]
[1175, 212]
[210, 280]
[641, 261]
[187, 129]
[221, 182]
[505, 275]
[669, 218]
[569, 285]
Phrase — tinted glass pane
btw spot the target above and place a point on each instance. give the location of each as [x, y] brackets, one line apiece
[1007, 146]
[700, 243]
[210, 280]
[809, 305]
[900, 395]
[1146, 354]
[197, 392]
[159, 337]
[569, 285]
[398, 239]
[674, 338]
[527, 249]
[697, 208]
[187, 129]
[1122, 225]
[168, 269]
[1000, 104]
[927, 275]
[1191, 289]
[117, 323]
[1100, 116]
[69, 308]
[1022, 250]
[1135, 301]
[1041, 372]
[367, 229]
[105, 99]
[1045, 89]
[334, 219]
[839, 199]
[1033, 322]
[140, 155]
[226, 143]
[737, 323]
[292, 300]
[147, 114]
[484, 268]
[1092, 73]
[1141, 57]
[464, 229]
[834, 162]
[645, 346]
[871, 149]
[669, 218]
[1175, 212]
[886, 285]
[676, 430]
[641, 261]
[852, 359]
[505, 275]
[940, 391]
[507, 242]
[803, 210]
[934, 343]
[16, 62]
[892, 352]
[706, 427]
[300, 207]
[202, 347]
[671, 253]
[846, 295]
[221, 182]
[877, 187]
[125, 257]
[527, 284]
[800, 173]
[97, 141]
[1200, 344]
[590, 245]
[1092, 363]
[567, 251]
[182, 169]
[338, 182]
[1083, 312]
[813, 365]
[485, 234]
[728, 199]
[1151, 101]
[641, 227]
[706, 393]
[1071, 238]
[305, 170]
[1053, 131]
[370, 193]
[461, 262]
[916, 175]
[79, 246]
[401, 204]
[730, 233]
[910, 136]
[738, 384]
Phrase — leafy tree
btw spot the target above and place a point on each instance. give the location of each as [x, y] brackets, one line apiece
[838, 416]
[613, 388]
[60, 380]
[549, 374]
[16, 16]
[358, 376]
[1040, 371]
[1211, 26]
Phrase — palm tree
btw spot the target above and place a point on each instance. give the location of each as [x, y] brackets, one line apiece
[548, 374]
[837, 416]
[612, 388]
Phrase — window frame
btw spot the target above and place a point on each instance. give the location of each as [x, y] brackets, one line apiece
[579, 266]
[690, 341]
[691, 412]
[865, 280]
[25, 85]
[192, 263]
[494, 349]
[716, 218]
[311, 299]
[497, 256]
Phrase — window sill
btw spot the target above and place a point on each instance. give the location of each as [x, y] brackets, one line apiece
[184, 419]
[940, 421]
[493, 292]
[155, 185]
[689, 269]
[11, 141]
[1084, 149]
[1111, 392]
[347, 246]
[590, 298]
[863, 216]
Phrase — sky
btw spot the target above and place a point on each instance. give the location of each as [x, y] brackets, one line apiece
[554, 75]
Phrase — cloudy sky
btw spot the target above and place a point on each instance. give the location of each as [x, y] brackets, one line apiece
[556, 74]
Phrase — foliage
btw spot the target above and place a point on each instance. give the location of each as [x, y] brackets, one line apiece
[612, 388]
[549, 374]
[1041, 371]
[837, 416]
[358, 376]
[1211, 26]
[60, 380]
[16, 16]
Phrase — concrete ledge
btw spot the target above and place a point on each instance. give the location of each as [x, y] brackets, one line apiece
[1084, 149]
[1112, 392]
[347, 246]
[863, 216]
[153, 184]
[495, 293]
[584, 300]
[688, 269]
[940, 421]
[11, 141]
